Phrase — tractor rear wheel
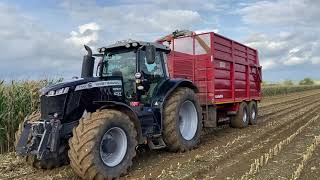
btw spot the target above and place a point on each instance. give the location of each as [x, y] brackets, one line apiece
[253, 112]
[32, 160]
[241, 119]
[182, 123]
[103, 145]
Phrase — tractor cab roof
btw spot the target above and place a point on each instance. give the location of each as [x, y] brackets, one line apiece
[132, 43]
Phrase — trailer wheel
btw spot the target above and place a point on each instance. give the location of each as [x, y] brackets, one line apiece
[103, 145]
[42, 164]
[241, 119]
[182, 120]
[253, 112]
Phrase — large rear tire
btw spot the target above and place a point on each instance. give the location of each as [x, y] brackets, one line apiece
[62, 158]
[241, 119]
[103, 145]
[182, 123]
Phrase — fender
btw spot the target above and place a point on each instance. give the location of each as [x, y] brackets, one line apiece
[128, 111]
[167, 87]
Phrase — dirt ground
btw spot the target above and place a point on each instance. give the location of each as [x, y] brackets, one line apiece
[285, 144]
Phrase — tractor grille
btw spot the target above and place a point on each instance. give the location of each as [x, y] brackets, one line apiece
[51, 105]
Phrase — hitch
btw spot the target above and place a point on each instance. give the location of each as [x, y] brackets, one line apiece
[39, 138]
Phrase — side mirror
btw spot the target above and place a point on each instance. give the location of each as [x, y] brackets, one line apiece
[150, 54]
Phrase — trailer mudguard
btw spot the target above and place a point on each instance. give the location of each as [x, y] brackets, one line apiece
[119, 106]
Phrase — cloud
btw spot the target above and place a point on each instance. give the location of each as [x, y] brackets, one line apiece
[315, 60]
[86, 34]
[288, 34]
[31, 44]
[31, 50]
[268, 64]
[205, 5]
[284, 13]
[286, 49]
[147, 20]
[200, 31]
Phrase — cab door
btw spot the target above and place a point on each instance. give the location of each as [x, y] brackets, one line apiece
[153, 73]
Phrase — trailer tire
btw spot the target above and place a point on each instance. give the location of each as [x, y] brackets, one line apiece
[173, 122]
[89, 154]
[62, 158]
[241, 119]
[253, 112]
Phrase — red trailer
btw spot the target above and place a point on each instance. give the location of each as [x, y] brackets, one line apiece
[227, 74]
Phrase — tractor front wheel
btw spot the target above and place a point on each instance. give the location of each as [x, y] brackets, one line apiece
[103, 145]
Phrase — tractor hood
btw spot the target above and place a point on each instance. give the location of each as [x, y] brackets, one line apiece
[69, 99]
[80, 84]
[69, 83]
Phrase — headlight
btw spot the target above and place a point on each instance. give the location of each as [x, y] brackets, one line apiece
[138, 75]
[128, 45]
[58, 92]
[51, 93]
[42, 92]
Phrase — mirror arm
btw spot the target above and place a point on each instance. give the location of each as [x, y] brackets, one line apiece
[101, 65]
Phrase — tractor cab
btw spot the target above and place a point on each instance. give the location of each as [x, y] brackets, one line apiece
[141, 65]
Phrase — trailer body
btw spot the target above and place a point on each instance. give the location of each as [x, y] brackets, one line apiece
[225, 71]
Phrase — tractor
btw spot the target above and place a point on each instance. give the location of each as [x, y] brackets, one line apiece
[96, 122]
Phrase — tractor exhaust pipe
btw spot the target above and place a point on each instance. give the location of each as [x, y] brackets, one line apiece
[87, 64]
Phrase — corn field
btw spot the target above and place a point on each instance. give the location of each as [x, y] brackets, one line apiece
[278, 90]
[18, 99]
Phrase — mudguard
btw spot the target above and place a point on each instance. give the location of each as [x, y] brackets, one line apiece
[166, 88]
[169, 85]
[127, 110]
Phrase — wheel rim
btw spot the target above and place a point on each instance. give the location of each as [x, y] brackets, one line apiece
[188, 120]
[253, 115]
[244, 118]
[113, 146]
[85, 113]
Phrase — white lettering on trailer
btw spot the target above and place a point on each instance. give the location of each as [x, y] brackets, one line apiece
[219, 96]
[222, 64]
[98, 84]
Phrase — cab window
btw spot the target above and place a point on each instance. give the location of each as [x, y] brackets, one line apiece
[151, 69]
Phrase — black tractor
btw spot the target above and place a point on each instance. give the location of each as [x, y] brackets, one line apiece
[96, 122]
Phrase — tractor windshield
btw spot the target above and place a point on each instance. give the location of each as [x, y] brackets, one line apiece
[122, 63]
[119, 63]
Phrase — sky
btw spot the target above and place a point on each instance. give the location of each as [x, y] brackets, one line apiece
[44, 39]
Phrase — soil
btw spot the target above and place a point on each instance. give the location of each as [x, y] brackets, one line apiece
[287, 127]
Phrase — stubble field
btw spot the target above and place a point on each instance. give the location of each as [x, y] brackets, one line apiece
[285, 144]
